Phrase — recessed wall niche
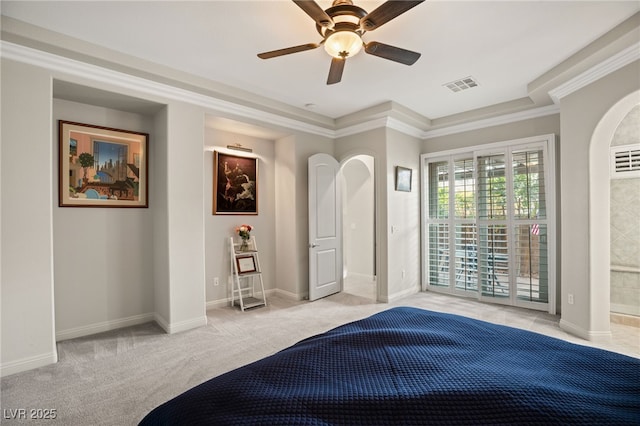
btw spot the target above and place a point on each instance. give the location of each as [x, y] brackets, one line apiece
[104, 257]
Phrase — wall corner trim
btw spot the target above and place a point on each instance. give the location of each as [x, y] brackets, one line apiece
[177, 327]
[592, 336]
[28, 363]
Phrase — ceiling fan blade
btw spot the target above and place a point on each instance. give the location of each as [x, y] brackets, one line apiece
[287, 51]
[392, 53]
[317, 14]
[386, 12]
[335, 72]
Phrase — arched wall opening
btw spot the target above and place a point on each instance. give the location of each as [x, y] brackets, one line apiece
[600, 205]
[359, 219]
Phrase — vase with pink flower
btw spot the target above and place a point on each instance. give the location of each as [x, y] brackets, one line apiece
[244, 231]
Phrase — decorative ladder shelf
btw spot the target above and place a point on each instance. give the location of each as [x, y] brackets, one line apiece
[246, 275]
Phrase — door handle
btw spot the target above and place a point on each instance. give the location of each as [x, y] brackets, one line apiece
[313, 245]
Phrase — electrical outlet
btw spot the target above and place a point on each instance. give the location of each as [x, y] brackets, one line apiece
[570, 299]
[216, 281]
[403, 274]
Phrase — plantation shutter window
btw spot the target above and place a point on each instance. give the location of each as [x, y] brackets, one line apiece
[487, 229]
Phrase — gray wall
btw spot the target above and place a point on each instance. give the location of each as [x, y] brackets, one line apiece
[584, 252]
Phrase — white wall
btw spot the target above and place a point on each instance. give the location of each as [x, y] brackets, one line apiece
[185, 178]
[28, 338]
[218, 228]
[159, 202]
[103, 257]
[403, 216]
[285, 221]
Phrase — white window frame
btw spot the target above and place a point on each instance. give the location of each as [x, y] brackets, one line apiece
[548, 145]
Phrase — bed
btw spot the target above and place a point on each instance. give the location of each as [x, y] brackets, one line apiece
[409, 366]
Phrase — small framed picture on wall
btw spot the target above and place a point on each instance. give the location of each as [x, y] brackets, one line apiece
[403, 179]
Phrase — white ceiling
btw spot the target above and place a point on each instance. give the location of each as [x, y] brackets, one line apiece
[504, 45]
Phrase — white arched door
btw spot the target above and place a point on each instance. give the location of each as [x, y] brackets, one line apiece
[325, 227]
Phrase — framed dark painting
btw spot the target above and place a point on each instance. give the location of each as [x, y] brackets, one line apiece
[102, 166]
[235, 184]
[403, 179]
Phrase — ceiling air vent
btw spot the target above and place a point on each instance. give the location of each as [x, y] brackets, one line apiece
[625, 161]
[462, 84]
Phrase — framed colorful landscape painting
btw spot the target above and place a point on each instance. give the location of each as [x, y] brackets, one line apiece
[102, 166]
[235, 189]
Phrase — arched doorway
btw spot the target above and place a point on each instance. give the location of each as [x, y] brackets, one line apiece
[600, 205]
[358, 175]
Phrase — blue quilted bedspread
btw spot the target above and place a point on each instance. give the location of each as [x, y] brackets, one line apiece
[408, 366]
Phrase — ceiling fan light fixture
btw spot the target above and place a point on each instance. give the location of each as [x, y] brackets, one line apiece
[342, 44]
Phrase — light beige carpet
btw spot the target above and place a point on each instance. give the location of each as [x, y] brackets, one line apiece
[115, 378]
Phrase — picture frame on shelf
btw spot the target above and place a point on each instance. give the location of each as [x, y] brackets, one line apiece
[403, 179]
[246, 264]
[235, 184]
[102, 166]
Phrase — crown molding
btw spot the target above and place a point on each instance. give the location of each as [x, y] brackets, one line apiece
[493, 121]
[362, 127]
[71, 67]
[386, 121]
[604, 68]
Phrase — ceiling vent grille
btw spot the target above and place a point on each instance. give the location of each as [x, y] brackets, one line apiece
[462, 84]
[625, 161]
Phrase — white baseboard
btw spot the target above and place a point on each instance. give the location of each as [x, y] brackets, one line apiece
[28, 363]
[592, 336]
[399, 295]
[161, 322]
[367, 277]
[177, 327]
[220, 303]
[289, 296]
[100, 327]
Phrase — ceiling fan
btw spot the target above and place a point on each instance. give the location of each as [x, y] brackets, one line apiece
[342, 26]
